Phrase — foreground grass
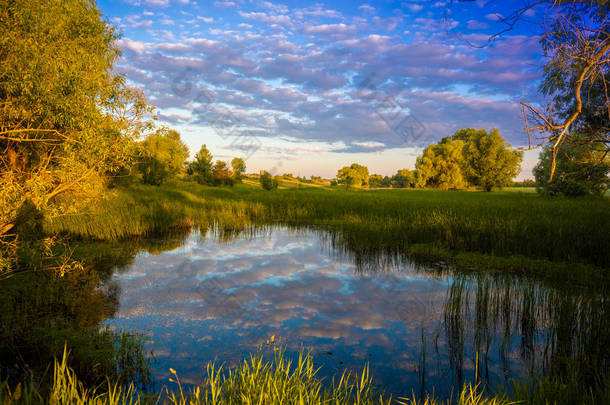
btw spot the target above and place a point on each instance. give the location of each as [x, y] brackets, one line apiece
[502, 224]
[282, 381]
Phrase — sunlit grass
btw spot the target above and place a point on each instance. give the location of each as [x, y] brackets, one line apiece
[283, 381]
[498, 224]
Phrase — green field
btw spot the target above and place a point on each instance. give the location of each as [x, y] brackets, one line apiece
[504, 224]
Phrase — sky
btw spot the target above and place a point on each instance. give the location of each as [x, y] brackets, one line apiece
[309, 87]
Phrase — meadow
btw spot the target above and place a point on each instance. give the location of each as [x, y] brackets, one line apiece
[507, 228]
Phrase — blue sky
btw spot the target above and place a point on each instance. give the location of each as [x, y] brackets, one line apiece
[308, 87]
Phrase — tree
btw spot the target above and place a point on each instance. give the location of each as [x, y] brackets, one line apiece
[375, 181]
[465, 134]
[386, 182]
[162, 156]
[221, 174]
[578, 170]
[404, 178]
[575, 37]
[268, 182]
[67, 120]
[440, 165]
[576, 43]
[354, 175]
[239, 167]
[489, 160]
[201, 167]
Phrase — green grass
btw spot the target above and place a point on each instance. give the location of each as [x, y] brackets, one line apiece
[281, 381]
[501, 224]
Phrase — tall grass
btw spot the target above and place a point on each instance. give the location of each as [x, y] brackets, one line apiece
[254, 382]
[282, 381]
[499, 224]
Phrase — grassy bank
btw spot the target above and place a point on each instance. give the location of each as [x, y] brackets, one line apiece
[501, 224]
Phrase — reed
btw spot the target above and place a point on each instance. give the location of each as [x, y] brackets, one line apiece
[282, 381]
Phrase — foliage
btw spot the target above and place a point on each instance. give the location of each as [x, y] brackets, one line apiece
[354, 175]
[162, 156]
[465, 134]
[404, 178]
[582, 168]
[201, 167]
[441, 164]
[268, 182]
[66, 119]
[239, 168]
[576, 44]
[375, 181]
[221, 174]
[489, 161]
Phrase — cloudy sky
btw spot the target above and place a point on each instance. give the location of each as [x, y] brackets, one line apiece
[308, 87]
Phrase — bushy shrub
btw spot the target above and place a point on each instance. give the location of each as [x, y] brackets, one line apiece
[268, 182]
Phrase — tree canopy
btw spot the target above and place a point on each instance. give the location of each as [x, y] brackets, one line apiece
[488, 159]
[239, 168]
[580, 170]
[440, 165]
[162, 156]
[404, 178]
[268, 182]
[354, 175]
[221, 174]
[201, 167]
[576, 42]
[66, 119]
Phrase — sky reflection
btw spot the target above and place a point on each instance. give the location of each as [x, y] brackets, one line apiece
[208, 300]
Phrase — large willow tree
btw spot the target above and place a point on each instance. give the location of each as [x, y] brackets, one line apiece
[66, 119]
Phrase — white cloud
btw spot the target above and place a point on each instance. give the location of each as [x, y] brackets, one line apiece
[224, 4]
[494, 17]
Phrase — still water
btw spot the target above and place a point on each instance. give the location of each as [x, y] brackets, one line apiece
[418, 327]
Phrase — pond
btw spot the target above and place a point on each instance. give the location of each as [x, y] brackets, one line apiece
[210, 296]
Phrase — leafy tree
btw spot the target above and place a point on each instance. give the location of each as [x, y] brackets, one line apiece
[239, 167]
[222, 174]
[465, 134]
[354, 175]
[162, 156]
[404, 178]
[386, 182]
[67, 120]
[576, 43]
[268, 182]
[440, 165]
[581, 169]
[375, 181]
[489, 160]
[201, 167]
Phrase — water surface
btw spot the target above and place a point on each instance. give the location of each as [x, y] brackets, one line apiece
[216, 297]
